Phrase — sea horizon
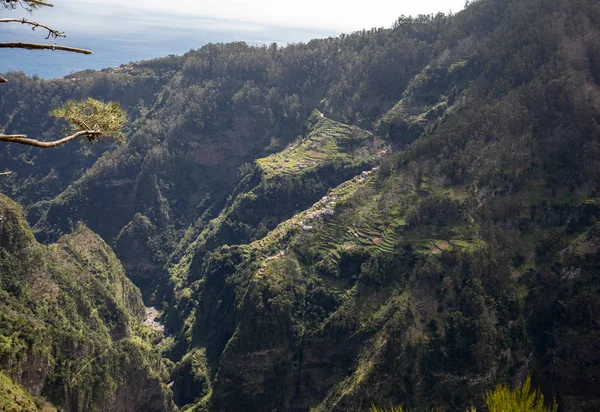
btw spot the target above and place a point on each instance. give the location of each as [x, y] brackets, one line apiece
[136, 43]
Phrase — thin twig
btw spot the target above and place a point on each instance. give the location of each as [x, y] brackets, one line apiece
[34, 46]
[40, 3]
[51, 32]
[6, 173]
[22, 139]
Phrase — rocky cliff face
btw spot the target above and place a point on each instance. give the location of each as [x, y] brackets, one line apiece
[71, 323]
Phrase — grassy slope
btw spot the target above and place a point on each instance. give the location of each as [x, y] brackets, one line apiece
[326, 141]
[14, 398]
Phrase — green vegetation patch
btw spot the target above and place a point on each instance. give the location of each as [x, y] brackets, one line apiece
[15, 398]
[326, 141]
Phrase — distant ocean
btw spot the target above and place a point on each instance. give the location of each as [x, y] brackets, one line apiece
[137, 42]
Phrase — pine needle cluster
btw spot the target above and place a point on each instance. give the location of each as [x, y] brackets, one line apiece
[91, 114]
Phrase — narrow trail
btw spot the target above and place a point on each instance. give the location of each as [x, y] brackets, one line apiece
[86, 365]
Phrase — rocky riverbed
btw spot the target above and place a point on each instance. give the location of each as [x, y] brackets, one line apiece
[151, 320]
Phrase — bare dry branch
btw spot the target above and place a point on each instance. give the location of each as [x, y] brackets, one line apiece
[40, 3]
[6, 173]
[32, 2]
[51, 32]
[22, 139]
[34, 46]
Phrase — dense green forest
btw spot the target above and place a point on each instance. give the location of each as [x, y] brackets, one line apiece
[404, 216]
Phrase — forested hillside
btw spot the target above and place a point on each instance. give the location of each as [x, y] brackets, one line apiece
[404, 216]
[70, 326]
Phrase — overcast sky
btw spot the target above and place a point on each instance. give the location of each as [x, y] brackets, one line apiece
[344, 15]
[328, 15]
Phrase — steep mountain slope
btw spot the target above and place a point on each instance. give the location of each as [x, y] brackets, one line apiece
[70, 325]
[468, 259]
[432, 231]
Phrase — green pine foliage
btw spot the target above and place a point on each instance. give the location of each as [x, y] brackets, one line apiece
[503, 399]
[92, 114]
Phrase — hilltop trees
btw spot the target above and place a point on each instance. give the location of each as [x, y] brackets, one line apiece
[90, 118]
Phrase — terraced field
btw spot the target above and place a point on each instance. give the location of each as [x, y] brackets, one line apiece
[326, 141]
[367, 228]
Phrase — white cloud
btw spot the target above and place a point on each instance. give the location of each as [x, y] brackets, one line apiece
[330, 15]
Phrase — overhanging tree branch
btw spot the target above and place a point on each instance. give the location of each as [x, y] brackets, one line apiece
[35, 46]
[51, 32]
[39, 3]
[22, 139]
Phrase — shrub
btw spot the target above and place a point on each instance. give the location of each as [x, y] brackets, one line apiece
[393, 409]
[502, 399]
